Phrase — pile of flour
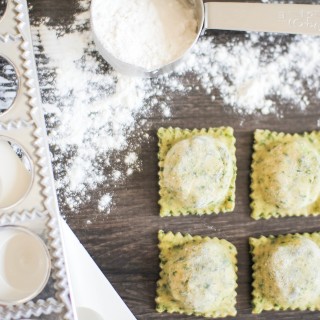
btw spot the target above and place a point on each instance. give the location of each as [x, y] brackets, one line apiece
[144, 33]
[98, 119]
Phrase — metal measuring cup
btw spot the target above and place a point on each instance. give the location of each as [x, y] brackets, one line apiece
[259, 17]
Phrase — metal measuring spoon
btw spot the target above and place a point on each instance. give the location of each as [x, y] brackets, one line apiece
[260, 17]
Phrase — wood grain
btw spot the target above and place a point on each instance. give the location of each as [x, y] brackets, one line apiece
[124, 243]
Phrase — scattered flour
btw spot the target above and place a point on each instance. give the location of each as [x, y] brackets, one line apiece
[93, 113]
[165, 110]
[116, 175]
[251, 75]
[144, 33]
[129, 172]
[105, 203]
[131, 158]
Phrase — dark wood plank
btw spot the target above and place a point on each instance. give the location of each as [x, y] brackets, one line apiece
[124, 244]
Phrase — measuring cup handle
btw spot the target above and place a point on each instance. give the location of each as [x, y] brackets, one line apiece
[263, 17]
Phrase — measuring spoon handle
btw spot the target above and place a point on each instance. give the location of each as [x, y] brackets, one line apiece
[263, 17]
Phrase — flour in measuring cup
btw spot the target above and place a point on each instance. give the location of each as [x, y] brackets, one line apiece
[144, 33]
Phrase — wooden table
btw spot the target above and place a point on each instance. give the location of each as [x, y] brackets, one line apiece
[124, 243]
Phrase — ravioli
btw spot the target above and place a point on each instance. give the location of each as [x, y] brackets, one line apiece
[197, 171]
[285, 174]
[286, 272]
[198, 275]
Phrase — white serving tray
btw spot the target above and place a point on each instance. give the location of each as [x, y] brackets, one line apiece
[92, 293]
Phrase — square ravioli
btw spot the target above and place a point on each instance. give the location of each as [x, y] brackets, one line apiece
[286, 272]
[285, 178]
[197, 171]
[198, 275]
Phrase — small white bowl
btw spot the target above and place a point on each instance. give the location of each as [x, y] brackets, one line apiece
[84, 313]
[16, 176]
[25, 265]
